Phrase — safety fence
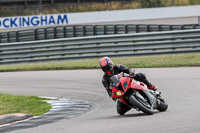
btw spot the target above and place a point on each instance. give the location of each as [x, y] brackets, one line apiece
[122, 45]
[85, 30]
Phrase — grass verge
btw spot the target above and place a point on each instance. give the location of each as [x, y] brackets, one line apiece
[180, 60]
[23, 104]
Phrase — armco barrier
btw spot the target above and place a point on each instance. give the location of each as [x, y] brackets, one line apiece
[85, 30]
[152, 43]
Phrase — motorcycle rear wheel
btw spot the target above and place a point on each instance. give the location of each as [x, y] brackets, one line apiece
[141, 106]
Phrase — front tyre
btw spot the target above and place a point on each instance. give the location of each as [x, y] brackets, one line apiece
[144, 107]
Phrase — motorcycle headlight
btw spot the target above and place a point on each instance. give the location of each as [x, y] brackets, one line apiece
[118, 93]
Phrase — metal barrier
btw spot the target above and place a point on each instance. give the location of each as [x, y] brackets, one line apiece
[85, 30]
[152, 43]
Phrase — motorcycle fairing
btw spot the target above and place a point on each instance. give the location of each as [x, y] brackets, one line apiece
[138, 85]
[125, 82]
[116, 92]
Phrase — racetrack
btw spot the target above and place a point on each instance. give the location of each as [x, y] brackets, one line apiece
[179, 86]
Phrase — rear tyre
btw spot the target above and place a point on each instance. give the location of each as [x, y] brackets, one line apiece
[163, 105]
[147, 109]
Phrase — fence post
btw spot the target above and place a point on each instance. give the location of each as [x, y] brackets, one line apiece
[73, 31]
[170, 27]
[17, 36]
[182, 27]
[0, 38]
[104, 30]
[97, 44]
[126, 29]
[136, 29]
[84, 30]
[115, 29]
[199, 20]
[35, 33]
[8, 37]
[54, 30]
[0, 42]
[94, 26]
[148, 28]
[64, 31]
[159, 28]
[45, 33]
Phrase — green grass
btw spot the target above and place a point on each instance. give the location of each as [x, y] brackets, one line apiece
[180, 60]
[23, 104]
[162, 61]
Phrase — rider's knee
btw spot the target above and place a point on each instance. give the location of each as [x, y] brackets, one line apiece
[141, 76]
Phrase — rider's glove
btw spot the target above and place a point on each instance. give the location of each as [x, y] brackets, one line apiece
[131, 73]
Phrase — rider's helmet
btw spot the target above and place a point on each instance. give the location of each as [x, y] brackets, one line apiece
[106, 64]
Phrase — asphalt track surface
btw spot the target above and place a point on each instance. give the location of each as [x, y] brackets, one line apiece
[179, 86]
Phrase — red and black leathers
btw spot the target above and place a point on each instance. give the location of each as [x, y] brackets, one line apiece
[121, 68]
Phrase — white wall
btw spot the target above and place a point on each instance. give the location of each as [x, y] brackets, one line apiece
[100, 16]
[134, 14]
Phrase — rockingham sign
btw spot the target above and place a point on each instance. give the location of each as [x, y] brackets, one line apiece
[33, 21]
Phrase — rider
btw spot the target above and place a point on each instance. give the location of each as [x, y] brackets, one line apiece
[109, 70]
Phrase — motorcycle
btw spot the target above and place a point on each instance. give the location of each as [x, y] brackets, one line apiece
[135, 94]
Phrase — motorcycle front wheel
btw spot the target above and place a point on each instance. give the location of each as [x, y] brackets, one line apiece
[163, 105]
[138, 104]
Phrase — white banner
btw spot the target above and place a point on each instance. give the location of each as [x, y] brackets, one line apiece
[99, 16]
[33, 21]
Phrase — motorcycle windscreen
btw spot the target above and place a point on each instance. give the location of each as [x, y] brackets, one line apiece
[114, 79]
[117, 89]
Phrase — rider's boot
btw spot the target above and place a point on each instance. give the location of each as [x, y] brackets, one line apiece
[152, 87]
